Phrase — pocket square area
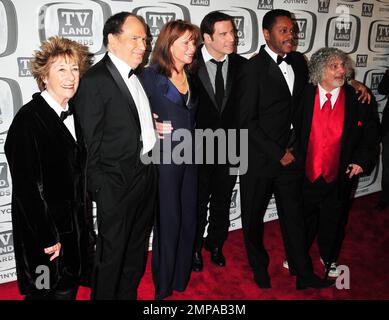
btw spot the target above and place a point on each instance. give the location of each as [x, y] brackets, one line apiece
[359, 123]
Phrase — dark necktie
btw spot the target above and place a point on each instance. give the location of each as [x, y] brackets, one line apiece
[65, 114]
[219, 83]
[280, 59]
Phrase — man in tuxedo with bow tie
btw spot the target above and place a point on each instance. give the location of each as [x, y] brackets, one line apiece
[115, 115]
[268, 86]
[338, 137]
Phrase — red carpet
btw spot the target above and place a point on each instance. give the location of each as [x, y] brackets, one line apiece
[365, 252]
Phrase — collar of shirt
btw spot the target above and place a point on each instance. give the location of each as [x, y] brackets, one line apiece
[272, 54]
[53, 104]
[323, 98]
[123, 68]
[207, 56]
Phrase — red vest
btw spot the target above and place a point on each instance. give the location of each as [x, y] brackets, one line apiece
[325, 140]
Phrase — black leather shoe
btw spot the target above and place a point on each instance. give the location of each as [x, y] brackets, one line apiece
[313, 282]
[217, 256]
[263, 282]
[197, 264]
[381, 206]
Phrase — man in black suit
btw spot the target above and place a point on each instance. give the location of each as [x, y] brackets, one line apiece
[383, 88]
[339, 140]
[115, 114]
[218, 66]
[269, 85]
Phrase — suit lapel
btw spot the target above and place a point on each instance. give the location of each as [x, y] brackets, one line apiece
[308, 107]
[274, 72]
[206, 81]
[123, 88]
[51, 119]
[230, 76]
[349, 114]
[298, 79]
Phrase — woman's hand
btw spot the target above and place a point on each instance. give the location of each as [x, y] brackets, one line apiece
[54, 250]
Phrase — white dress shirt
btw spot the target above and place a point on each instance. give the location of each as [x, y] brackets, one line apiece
[141, 102]
[69, 121]
[286, 69]
[323, 98]
[212, 68]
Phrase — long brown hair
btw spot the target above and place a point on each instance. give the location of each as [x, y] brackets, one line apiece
[170, 32]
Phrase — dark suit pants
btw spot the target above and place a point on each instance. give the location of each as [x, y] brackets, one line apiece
[256, 192]
[384, 197]
[215, 188]
[122, 242]
[325, 211]
[175, 228]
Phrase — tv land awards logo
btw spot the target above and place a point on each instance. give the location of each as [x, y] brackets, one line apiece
[4, 183]
[305, 24]
[24, 64]
[367, 9]
[372, 79]
[265, 5]
[81, 22]
[8, 28]
[361, 61]
[159, 14]
[379, 36]
[7, 259]
[246, 23]
[10, 102]
[323, 6]
[343, 32]
[202, 3]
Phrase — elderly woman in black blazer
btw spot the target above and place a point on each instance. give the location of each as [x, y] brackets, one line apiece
[46, 155]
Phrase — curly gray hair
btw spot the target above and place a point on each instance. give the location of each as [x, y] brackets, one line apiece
[320, 59]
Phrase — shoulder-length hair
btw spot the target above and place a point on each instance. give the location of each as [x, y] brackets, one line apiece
[319, 60]
[170, 32]
[53, 48]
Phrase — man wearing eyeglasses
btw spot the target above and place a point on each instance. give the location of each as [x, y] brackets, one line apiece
[115, 115]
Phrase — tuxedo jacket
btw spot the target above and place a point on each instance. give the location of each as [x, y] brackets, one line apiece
[359, 142]
[48, 194]
[111, 126]
[267, 108]
[209, 115]
[383, 88]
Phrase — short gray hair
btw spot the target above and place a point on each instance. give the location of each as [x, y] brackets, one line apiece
[321, 58]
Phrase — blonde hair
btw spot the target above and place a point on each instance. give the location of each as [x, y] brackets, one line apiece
[53, 48]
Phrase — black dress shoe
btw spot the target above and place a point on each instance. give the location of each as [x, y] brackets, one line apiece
[381, 206]
[313, 282]
[263, 282]
[217, 256]
[197, 264]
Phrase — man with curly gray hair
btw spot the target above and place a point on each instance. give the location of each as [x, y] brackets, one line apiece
[339, 141]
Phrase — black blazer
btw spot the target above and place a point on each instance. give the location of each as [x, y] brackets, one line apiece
[110, 122]
[208, 115]
[360, 136]
[383, 88]
[267, 108]
[48, 193]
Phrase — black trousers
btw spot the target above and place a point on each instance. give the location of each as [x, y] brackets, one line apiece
[215, 188]
[256, 192]
[384, 196]
[122, 242]
[326, 213]
[175, 228]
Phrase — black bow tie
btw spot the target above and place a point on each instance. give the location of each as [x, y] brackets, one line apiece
[65, 114]
[131, 73]
[286, 59]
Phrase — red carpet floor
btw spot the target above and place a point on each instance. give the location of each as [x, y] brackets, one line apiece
[365, 251]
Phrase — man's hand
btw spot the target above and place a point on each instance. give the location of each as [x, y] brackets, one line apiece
[162, 127]
[353, 170]
[54, 250]
[288, 158]
[361, 89]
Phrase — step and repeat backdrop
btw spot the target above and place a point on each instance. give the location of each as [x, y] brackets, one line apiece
[359, 27]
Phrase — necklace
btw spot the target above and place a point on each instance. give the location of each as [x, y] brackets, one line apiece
[180, 83]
